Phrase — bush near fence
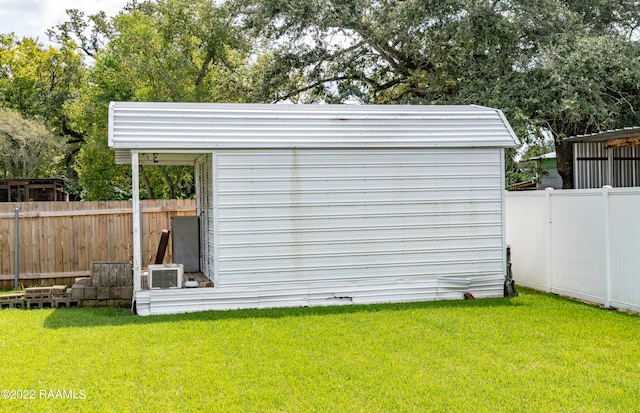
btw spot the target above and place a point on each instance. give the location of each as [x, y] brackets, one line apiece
[58, 241]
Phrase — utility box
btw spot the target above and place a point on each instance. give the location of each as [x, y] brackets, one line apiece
[185, 231]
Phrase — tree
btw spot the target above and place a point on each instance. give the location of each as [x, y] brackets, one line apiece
[169, 50]
[27, 148]
[541, 62]
[39, 82]
[583, 87]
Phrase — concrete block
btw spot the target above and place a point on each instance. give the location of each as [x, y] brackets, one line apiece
[118, 303]
[64, 303]
[127, 292]
[90, 293]
[102, 293]
[115, 293]
[77, 293]
[59, 291]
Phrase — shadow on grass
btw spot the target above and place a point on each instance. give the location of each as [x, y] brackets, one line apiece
[97, 317]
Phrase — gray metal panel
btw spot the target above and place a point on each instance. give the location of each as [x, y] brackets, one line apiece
[592, 163]
[626, 166]
[155, 126]
[185, 231]
[330, 215]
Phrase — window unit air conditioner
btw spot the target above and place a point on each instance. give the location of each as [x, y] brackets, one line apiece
[165, 275]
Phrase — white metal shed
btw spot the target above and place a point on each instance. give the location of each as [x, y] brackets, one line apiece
[328, 204]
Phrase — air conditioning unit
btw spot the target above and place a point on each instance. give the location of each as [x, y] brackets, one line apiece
[165, 275]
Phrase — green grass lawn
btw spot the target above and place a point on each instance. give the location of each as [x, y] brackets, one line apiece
[533, 353]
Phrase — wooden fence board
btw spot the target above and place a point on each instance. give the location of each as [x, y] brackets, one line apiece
[66, 237]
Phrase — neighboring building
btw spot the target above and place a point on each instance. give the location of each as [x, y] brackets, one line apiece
[308, 205]
[37, 189]
[607, 158]
[548, 166]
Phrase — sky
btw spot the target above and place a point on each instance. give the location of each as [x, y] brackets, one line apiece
[34, 17]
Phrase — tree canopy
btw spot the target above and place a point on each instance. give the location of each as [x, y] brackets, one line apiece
[38, 82]
[556, 68]
[28, 149]
[562, 67]
[170, 50]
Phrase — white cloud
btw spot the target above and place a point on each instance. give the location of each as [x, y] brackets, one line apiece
[34, 17]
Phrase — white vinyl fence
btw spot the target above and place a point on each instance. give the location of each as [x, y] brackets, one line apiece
[579, 243]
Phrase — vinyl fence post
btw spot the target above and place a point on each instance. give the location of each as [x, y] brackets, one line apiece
[548, 225]
[16, 247]
[607, 245]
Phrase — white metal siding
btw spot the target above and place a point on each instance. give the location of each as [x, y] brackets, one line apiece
[203, 172]
[155, 126]
[306, 216]
[591, 167]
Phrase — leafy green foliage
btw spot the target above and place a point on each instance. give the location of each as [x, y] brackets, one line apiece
[27, 148]
[173, 50]
[38, 82]
[562, 67]
[535, 352]
[558, 67]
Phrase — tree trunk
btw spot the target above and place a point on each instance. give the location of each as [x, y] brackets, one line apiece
[169, 181]
[564, 158]
[147, 184]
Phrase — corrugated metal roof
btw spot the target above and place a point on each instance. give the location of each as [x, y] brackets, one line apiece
[548, 155]
[168, 126]
[606, 135]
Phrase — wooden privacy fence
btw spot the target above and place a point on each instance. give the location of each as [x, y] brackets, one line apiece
[62, 239]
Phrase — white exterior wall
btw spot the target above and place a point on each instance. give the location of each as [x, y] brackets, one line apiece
[329, 227]
[578, 243]
[204, 209]
[309, 216]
